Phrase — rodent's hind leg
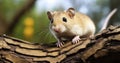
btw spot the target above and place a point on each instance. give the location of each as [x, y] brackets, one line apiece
[76, 39]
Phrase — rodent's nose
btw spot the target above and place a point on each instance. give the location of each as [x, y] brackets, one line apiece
[57, 30]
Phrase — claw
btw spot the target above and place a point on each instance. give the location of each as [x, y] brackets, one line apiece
[76, 39]
[60, 44]
[91, 36]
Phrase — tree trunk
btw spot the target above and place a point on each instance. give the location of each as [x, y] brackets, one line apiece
[103, 48]
[19, 14]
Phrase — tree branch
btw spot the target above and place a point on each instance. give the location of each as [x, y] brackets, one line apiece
[104, 48]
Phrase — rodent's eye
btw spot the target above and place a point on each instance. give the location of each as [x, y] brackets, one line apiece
[64, 19]
[51, 20]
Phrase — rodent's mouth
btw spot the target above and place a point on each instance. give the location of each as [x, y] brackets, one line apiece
[58, 31]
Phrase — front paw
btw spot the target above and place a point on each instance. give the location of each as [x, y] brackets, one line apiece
[76, 39]
[60, 44]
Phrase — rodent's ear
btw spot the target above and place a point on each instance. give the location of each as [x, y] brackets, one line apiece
[49, 15]
[71, 12]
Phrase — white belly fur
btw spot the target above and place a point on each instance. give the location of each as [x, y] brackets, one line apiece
[76, 29]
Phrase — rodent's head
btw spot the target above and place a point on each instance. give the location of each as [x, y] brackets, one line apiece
[61, 21]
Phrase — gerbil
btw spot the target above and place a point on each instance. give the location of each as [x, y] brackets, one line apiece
[70, 25]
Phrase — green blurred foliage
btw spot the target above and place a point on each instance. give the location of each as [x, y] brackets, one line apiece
[41, 28]
[41, 23]
[9, 7]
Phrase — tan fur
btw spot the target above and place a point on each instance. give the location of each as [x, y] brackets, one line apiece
[77, 24]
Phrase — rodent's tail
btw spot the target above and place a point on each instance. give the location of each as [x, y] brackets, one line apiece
[108, 18]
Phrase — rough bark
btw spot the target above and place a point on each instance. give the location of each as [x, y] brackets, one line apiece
[103, 48]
